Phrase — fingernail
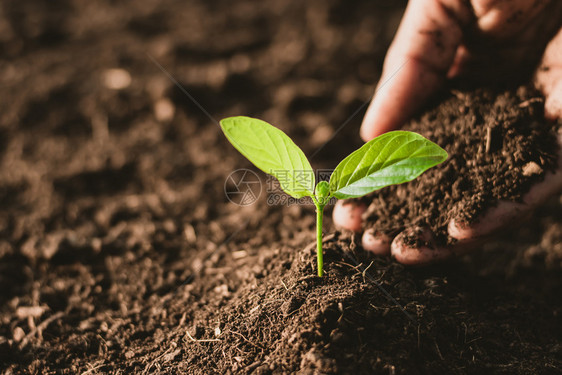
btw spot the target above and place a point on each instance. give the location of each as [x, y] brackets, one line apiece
[376, 242]
[348, 215]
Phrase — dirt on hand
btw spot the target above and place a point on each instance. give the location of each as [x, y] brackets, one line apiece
[499, 145]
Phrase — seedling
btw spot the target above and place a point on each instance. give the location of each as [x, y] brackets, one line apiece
[389, 159]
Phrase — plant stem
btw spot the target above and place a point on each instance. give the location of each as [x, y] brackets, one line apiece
[319, 219]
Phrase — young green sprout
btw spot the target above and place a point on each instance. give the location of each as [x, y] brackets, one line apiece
[389, 159]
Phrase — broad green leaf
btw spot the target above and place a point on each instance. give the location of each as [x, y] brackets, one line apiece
[389, 159]
[272, 151]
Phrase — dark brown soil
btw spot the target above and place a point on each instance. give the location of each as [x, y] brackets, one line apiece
[492, 138]
[120, 253]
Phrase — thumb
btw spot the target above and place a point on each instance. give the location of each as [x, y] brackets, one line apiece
[417, 62]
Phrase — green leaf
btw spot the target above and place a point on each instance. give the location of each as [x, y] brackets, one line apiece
[389, 159]
[272, 151]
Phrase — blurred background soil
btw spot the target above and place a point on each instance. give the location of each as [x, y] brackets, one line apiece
[120, 253]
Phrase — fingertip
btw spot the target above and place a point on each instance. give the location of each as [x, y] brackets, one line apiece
[553, 102]
[548, 77]
[376, 242]
[400, 93]
[374, 123]
[348, 215]
[459, 230]
[493, 220]
[367, 131]
[410, 254]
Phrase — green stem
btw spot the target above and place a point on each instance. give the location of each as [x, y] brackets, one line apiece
[319, 218]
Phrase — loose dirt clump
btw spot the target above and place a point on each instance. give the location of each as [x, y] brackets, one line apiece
[499, 145]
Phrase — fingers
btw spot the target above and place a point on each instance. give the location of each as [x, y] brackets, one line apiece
[468, 236]
[409, 254]
[496, 218]
[505, 214]
[347, 215]
[398, 97]
[553, 103]
[376, 242]
[417, 62]
[427, 49]
[548, 77]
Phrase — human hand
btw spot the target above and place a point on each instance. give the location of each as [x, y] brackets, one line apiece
[441, 39]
